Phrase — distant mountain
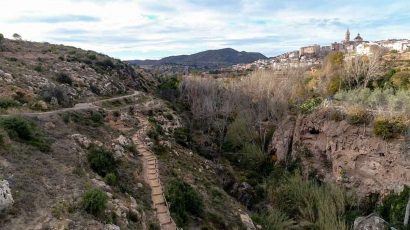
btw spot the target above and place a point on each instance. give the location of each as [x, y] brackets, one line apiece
[207, 59]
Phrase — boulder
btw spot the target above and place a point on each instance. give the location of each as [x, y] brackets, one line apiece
[370, 222]
[123, 141]
[6, 199]
[111, 227]
[82, 140]
[247, 221]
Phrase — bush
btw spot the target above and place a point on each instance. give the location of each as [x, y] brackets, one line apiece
[111, 179]
[182, 136]
[6, 103]
[183, 200]
[401, 79]
[58, 92]
[253, 156]
[393, 208]
[274, 220]
[101, 161]
[309, 105]
[239, 132]
[39, 68]
[316, 206]
[97, 118]
[63, 78]
[334, 85]
[94, 201]
[106, 64]
[387, 129]
[357, 116]
[21, 129]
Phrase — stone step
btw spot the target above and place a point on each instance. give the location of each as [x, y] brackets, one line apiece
[170, 226]
[152, 167]
[161, 209]
[152, 177]
[158, 199]
[152, 171]
[154, 183]
[164, 218]
[157, 191]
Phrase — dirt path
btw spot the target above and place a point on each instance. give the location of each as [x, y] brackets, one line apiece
[151, 176]
[77, 107]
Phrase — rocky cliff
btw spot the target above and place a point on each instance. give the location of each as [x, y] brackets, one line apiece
[334, 150]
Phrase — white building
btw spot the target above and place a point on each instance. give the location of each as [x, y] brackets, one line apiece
[400, 45]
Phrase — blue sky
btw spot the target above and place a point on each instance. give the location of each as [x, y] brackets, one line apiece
[141, 29]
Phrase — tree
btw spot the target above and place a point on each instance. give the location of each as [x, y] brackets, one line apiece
[361, 69]
[17, 36]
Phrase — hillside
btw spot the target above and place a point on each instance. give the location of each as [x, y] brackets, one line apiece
[207, 59]
[84, 146]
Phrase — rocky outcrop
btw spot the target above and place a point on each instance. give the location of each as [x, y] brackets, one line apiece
[348, 154]
[6, 199]
[370, 222]
[247, 221]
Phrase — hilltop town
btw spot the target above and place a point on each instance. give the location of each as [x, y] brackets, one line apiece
[314, 54]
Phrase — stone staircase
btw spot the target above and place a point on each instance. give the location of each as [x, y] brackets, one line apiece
[151, 176]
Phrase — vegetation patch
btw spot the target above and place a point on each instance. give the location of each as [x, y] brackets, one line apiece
[6, 103]
[358, 116]
[389, 128]
[393, 208]
[94, 201]
[184, 201]
[102, 161]
[23, 130]
[309, 105]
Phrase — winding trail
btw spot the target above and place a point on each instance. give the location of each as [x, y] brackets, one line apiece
[77, 107]
[150, 162]
[151, 176]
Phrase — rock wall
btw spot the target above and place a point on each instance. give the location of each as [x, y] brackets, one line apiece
[347, 154]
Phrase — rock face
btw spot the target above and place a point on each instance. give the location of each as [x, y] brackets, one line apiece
[348, 154]
[6, 199]
[370, 222]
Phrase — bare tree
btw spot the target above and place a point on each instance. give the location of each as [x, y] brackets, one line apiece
[361, 69]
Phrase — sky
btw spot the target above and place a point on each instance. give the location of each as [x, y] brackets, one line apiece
[152, 29]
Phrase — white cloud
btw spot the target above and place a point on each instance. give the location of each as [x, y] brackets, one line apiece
[154, 28]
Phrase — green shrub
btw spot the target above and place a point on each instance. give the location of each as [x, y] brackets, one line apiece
[393, 208]
[357, 116]
[239, 132]
[274, 220]
[309, 105]
[169, 83]
[401, 79]
[106, 64]
[101, 161]
[316, 206]
[94, 201]
[97, 118]
[63, 78]
[183, 200]
[21, 129]
[334, 85]
[39, 68]
[253, 155]
[388, 128]
[6, 103]
[111, 179]
[182, 136]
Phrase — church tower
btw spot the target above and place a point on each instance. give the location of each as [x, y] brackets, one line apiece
[347, 36]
